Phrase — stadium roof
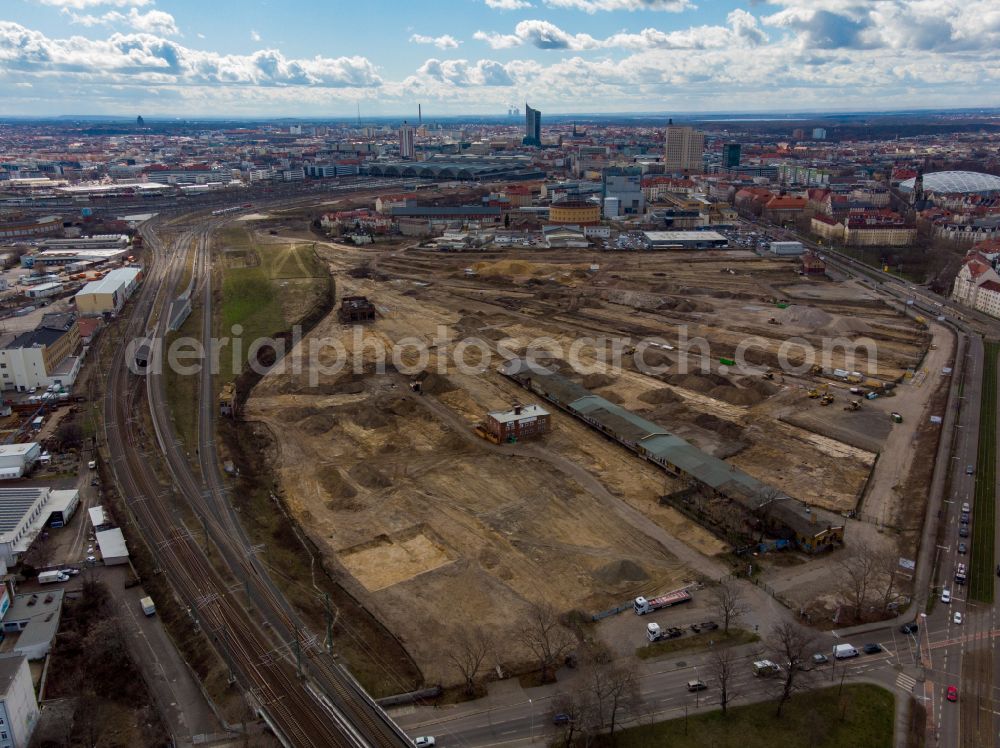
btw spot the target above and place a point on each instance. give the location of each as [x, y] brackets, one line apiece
[952, 182]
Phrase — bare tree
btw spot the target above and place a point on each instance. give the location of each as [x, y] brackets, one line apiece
[577, 709]
[467, 653]
[730, 604]
[543, 634]
[614, 690]
[722, 663]
[764, 502]
[859, 571]
[794, 643]
[887, 567]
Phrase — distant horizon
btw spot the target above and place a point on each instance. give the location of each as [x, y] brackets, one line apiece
[735, 115]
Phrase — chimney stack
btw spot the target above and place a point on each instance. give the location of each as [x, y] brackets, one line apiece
[517, 409]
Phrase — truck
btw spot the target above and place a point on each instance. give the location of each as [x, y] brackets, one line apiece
[844, 651]
[655, 633]
[765, 668]
[49, 577]
[961, 574]
[643, 606]
[147, 605]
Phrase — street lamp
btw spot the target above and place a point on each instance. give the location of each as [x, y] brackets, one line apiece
[531, 721]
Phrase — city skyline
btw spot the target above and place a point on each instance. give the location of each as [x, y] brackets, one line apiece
[480, 57]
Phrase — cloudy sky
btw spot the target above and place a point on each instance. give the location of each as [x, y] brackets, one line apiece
[323, 57]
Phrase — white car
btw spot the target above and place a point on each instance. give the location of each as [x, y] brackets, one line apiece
[957, 618]
[965, 507]
[425, 742]
[92, 464]
[946, 595]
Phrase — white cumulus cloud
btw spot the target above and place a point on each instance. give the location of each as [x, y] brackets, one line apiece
[593, 6]
[508, 4]
[445, 41]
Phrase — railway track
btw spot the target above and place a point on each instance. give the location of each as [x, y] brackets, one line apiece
[307, 700]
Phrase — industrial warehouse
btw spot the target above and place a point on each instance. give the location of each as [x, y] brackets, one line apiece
[810, 530]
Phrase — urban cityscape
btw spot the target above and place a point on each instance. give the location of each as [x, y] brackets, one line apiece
[633, 384]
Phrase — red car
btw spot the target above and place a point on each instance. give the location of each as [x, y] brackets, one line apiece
[952, 693]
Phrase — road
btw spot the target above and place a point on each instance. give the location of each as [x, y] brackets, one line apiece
[524, 716]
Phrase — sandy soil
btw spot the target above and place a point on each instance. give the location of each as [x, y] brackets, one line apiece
[431, 529]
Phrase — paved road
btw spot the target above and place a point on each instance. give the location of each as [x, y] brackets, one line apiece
[512, 715]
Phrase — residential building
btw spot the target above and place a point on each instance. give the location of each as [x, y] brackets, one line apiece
[532, 126]
[784, 208]
[977, 284]
[43, 356]
[407, 148]
[819, 133]
[109, 294]
[683, 149]
[827, 228]
[518, 423]
[18, 705]
[881, 228]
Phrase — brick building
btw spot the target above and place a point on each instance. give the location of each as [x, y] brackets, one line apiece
[520, 422]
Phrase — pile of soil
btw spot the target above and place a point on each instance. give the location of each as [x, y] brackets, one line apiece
[371, 418]
[596, 381]
[661, 396]
[703, 383]
[318, 424]
[804, 316]
[848, 326]
[621, 572]
[369, 476]
[341, 492]
[728, 429]
[435, 384]
[735, 395]
[760, 386]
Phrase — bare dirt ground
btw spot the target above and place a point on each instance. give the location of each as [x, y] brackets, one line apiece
[431, 528]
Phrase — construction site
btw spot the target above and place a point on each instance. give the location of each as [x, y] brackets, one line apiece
[428, 523]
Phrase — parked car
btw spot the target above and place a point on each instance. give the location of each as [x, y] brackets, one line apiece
[820, 659]
[952, 693]
[962, 548]
[92, 464]
[957, 618]
[909, 628]
[965, 507]
[965, 518]
[946, 595]
[963, 531]
[872, 648]
[426, 741]
[969, 469]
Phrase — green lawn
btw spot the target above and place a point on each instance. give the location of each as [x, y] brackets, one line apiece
[984, 509]
[273, 290]
[696, 642]
[862, 716]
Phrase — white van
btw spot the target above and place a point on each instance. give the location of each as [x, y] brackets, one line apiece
[844, 651]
